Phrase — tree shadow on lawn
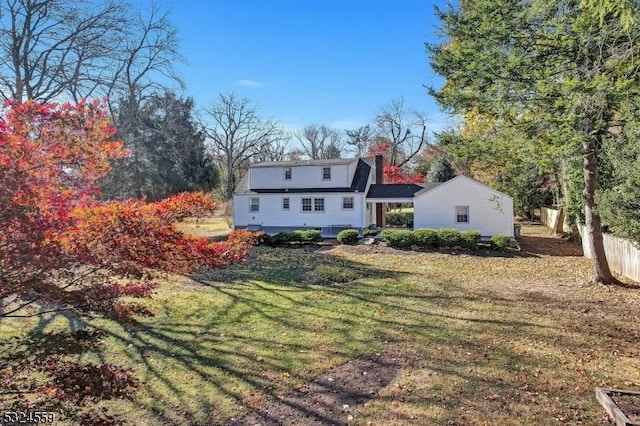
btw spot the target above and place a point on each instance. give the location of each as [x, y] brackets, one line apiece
[257, 331]
[257, 358]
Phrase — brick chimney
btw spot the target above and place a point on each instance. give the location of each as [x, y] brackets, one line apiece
[379, 166]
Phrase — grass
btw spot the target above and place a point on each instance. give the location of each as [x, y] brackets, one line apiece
[215, 227]
[483, 338]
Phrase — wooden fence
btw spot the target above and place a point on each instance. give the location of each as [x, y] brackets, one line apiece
[623, 257]
[549, 215]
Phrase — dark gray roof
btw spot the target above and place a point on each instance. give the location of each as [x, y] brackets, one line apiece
[399, 190]
[330, 162]
[358, 184]
[427, 186]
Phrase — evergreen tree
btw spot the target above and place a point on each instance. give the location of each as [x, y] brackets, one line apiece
[168, 154]
[440, 170]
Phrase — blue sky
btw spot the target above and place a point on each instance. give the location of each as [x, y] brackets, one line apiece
[309, 61]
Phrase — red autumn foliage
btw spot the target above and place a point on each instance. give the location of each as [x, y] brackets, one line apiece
[63, 250]
[392, 173]
[61, 246]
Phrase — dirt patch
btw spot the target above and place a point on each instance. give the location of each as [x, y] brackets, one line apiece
[331, 398]
[629, 404]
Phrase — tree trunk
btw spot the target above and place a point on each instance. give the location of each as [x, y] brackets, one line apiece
[593, 230]
[229, 181]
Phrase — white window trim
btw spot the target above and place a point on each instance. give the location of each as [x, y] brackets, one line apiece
[455, 215]
[313, 205]
[302, 204]
[284, 173]
[322, 173]
[282, 204]
[353, 203]
[251, 204]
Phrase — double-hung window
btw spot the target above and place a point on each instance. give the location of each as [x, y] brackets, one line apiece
[286, 204]
[326, 173]
[287, 173]
[347, 203]
[462, 214]
[312, 204]
[254, 204]
[318, 204]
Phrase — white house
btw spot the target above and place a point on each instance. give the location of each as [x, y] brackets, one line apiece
[331, 195]
[328, 195]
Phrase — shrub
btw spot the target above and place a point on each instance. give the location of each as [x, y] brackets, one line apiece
[399, 238]
[298, 236]
[450, 238]
[348, 236]
[306, 236]
[369, 232]
[470, 239]
[500, 242]
[425, 237]
[399, 219]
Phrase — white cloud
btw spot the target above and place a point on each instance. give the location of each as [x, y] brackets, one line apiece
[250, 83]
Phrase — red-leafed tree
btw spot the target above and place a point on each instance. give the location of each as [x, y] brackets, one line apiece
[393, 173]
[60, 250]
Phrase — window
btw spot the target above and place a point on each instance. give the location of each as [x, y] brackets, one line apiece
[347, 203]
[462, 214]
[285, 204]
[287, 173]
[254, 204]
[312, 204]
[326, 173]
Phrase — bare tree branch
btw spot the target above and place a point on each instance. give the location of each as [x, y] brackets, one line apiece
[320, 142]
[237, 134]
[405, 131]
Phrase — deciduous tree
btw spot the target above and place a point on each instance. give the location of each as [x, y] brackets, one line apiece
[237, 134]
[62, 251]
[320, 142]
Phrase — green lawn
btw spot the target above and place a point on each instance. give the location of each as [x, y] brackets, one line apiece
[483, 339]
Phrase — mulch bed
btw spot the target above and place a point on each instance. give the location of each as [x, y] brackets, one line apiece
[331, 398]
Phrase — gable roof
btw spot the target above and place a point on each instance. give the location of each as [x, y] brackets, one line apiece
[459, 178]
[297, 163]
[396, 190]
[358, 183]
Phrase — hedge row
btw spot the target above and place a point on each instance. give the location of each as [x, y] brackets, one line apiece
[399, 219]
[448, 238]
[299, 236]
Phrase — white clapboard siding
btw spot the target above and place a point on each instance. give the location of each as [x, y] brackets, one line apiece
[623, 257]
[272, 214]
[490, 211]
[301, 177]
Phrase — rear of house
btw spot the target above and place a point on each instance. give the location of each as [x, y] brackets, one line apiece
[332, 195]
[328, 195]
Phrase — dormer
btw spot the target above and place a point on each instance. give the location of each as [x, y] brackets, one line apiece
[336, 173]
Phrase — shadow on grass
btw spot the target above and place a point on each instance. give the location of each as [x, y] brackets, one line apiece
[243, 337]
